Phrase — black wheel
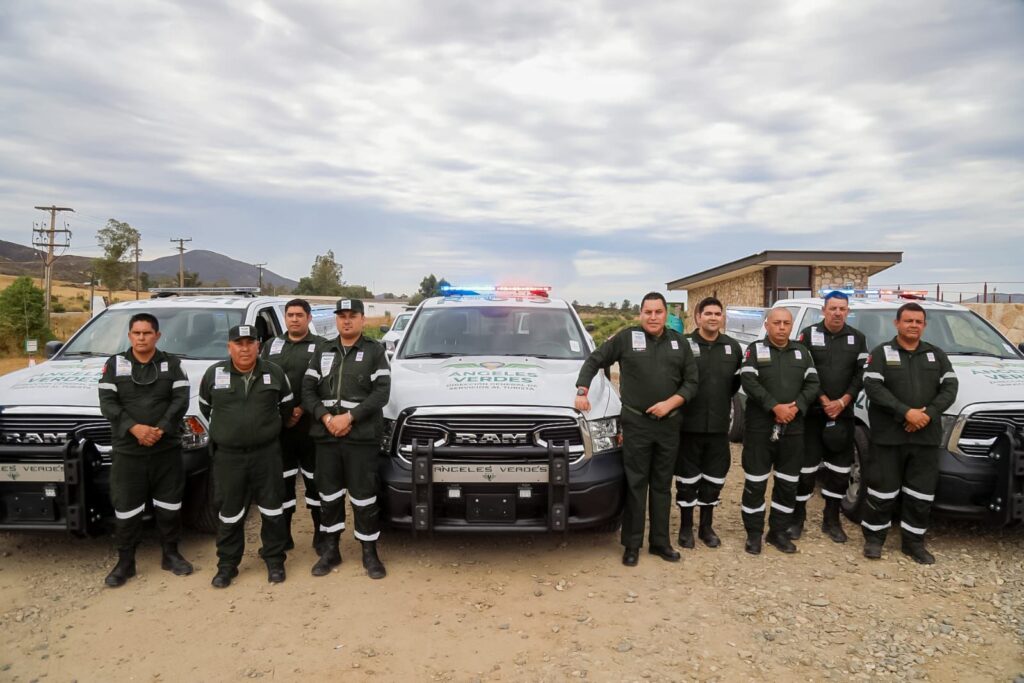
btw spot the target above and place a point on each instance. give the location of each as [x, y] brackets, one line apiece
[736, 420]
[852, 503]
[199, 512]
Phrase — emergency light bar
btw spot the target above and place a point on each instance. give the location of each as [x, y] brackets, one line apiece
[883, 294]
[521, 290]
[160, 292]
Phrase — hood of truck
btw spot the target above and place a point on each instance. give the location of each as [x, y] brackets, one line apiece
[70, 383]
[494, 381]
[987, 380]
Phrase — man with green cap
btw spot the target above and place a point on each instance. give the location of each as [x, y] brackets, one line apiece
[144, 393]
[246, 399]
[345, 389]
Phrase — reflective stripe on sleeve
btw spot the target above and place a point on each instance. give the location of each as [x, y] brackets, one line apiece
[180, 383]
[110, 386]
[917, 494]
[862, 356]
[810, 371]
[884, 495]
[874, 375]
[948, 375]
[287, 398]
[312, 373]
[167, 506]
[130, 513]
[380, 373]
[746, 369]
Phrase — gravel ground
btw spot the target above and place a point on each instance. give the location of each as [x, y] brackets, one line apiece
[489, 608]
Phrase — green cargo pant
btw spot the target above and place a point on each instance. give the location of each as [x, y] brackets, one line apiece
[762, 458]
[649, 452]
[347, 468]
[136, 480]
[239, 478]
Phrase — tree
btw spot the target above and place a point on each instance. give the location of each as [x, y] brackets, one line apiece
[117, 239]
[22, 315]
[324, 277]
[600, 304]
[429, 286]
[625, 307]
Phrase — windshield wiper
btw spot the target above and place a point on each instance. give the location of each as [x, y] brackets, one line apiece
[84, 353]
[976, 353]
[432, 354]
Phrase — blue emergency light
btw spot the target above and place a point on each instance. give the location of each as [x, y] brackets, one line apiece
[483, 290]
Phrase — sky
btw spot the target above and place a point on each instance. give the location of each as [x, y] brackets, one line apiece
[598, 146]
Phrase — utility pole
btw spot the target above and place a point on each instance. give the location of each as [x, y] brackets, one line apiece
[259, 267]
[181, 258]
[138, 252]
[49, 242]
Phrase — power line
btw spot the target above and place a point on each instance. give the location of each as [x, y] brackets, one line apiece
[48, 239]
[181, 258]
[259, 267]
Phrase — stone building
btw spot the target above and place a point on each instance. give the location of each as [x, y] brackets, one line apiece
[762, 279]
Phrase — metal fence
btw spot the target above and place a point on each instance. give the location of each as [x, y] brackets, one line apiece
[965, 292]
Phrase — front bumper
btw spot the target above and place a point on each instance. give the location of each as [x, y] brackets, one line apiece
[595, 498]
[988, 489]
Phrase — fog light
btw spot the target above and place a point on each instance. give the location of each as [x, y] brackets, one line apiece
[454, 492]
[525, 491]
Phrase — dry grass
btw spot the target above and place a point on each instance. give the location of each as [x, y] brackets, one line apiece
[15, 363]
[74, 297]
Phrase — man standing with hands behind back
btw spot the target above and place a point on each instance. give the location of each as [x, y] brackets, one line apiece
[658, 374]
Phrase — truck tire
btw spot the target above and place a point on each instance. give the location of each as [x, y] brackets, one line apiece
[199, 512]
[853, 502]
[736, 420]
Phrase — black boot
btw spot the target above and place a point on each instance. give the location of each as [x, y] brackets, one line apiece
[330, 557]
[781, 540]
[174, 562]
[371, 563]
[222, 579]
[289, 544]
[275, 573]
[686, 528]
[872, 548]
[830, 524]
[796, 527]
[318, 536]
[705, 532]
[123, 570]
[916, 551]
[753, 544]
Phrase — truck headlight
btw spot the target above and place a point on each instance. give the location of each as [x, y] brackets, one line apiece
[193, 433]
[385, 439]
[948, 421]
[604, 434]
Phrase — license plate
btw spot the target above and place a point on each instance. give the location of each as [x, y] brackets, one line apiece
[32, 471]
[490, 473]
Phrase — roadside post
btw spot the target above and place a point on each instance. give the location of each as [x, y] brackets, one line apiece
[31, 347]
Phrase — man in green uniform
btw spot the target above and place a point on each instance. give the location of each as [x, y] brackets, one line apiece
[144, 393]
[247, 399]
[345, 389]
[657, 375]
[839, 352]
[704, 454]
[780, 381]
[909, 383]
[293, 351]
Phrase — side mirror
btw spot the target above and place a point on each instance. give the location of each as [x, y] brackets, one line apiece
[384, 329]
[51, 348]
[1021, 347]
[590, 327]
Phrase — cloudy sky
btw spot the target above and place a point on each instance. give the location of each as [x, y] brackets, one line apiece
[603, 147]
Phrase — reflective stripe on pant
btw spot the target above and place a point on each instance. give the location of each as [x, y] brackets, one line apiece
[344, 467]
[701, 467]
[242, 478]
[908, 472]
[760, 458]
[649, 452]
[137, 480]
[834, 465]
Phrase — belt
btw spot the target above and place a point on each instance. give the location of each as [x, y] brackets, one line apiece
[245, 449]
[649, 416]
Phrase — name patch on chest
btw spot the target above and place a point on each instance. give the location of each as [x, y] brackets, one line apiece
[164, 366]
[817, 338]
[892, 356]
[763, 352]
[276, 346]
[266, 378]
[326, 361]
[639, 341]
[851, 340]
[221, 379]
[675, 344]
[695, 347]
[359, 356]
[311, 348]
[122, 367]
[728, 350]
[799, 356]
[931, 356]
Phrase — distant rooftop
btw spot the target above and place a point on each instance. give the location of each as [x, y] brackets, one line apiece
[875, 261]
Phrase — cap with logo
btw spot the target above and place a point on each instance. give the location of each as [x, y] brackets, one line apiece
[354, 305]
[242, 332]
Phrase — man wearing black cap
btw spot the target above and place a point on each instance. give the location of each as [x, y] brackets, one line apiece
[345, 389]
[144, 393]
[293, 351]
[839, 352]
[247, 400]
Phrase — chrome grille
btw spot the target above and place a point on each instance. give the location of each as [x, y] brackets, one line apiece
[983, 428]
[28, 429]
[511, 437]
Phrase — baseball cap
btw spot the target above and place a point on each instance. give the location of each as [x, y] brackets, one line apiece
[354, 305]
[241, 332]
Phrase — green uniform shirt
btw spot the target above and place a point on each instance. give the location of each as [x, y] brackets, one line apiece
[245, 410]
[153, 394]
[294, 358]
[651, 369]
[718, 365]
[839, 359]
[771, 376]
[354, 380]
[897, 380]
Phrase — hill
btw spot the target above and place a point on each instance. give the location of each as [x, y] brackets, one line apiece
[211, 267]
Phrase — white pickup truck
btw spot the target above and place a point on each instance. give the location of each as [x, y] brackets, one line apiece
[55, 444]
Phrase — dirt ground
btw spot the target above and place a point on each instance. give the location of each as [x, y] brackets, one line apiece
[522, 608]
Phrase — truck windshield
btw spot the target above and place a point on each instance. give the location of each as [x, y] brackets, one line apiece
[401, 321]
[494, 331]
[955, 332]
[200, 333]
